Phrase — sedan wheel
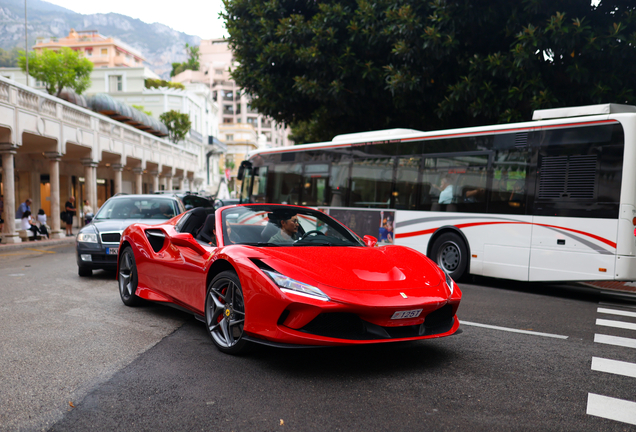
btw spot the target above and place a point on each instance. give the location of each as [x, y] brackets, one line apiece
[127, 278]
[225, 313]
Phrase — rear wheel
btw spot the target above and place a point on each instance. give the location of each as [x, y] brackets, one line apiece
[127, 278]
[225, 313]
[449, 251]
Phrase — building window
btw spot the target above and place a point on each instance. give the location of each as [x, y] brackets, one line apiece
[228, 109]
[218, 71]
[89, 53]
[228, 120]
[229, 137]
[115, 83]
[252, 120]
[104, 51]
[228, 95]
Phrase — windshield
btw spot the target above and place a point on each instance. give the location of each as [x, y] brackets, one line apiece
[138, 208]
[267, 225]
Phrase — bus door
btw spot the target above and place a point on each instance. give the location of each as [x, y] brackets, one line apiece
[315, 190]
[245, 175]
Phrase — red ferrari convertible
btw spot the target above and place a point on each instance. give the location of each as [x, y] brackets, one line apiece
[285, 276]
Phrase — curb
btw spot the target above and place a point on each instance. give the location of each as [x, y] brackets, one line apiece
[36, 243]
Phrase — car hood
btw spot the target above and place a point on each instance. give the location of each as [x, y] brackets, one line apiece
[119, 225]
[356, 268]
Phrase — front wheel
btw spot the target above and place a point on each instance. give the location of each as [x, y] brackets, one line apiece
[449, 251]
[127, 278]
[225, 313]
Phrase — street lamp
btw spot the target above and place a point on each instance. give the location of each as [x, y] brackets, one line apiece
[26, 43]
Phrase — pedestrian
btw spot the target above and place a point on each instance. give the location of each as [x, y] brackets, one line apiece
[41, 221]
[70, 213]
[27, 223]
[88, 213]
[1, 213]
[26, 205]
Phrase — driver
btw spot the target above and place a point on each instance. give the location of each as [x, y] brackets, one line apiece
[288, 229]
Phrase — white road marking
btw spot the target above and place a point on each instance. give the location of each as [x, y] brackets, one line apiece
[615, 340]
[614, 367]
[616, 324]
[611, 408]
[616, 312]
[468, 323]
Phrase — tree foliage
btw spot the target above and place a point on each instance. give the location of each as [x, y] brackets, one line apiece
[178, 124]
[192, 63]
[156, 83]
[9, 58]
[59, 69]
[338, 66]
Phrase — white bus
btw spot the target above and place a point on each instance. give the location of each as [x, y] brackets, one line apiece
[553, 199]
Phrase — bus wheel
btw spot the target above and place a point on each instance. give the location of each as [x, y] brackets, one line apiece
[450, 253]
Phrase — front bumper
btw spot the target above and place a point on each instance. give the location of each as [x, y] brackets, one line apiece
[99, 256]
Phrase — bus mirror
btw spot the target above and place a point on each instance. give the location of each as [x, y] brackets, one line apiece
[241, 170]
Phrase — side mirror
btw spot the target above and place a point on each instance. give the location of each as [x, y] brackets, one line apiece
[186, 240]
[370, 240]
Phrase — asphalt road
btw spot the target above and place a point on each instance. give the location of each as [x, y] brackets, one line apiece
[73, 358]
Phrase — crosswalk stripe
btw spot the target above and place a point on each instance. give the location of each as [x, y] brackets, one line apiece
[611, 408]
[615, 340]
[614, 367]
[616, 324]
[616, 312]
[512, 330]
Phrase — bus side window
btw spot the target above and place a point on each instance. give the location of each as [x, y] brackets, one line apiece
[508, 193]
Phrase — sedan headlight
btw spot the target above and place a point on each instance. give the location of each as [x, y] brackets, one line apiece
[87, 237]
[450, 283]
[290, 285]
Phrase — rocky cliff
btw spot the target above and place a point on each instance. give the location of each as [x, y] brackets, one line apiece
[159, 44]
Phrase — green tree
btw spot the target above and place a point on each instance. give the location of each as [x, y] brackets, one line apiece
[178, 124]
[9, 58]
[59, 69]
[192, 63]
[342, 66]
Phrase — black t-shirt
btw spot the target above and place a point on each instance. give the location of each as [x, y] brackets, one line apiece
[67, 205]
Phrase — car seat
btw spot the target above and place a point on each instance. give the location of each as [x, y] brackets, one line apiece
[206, 233]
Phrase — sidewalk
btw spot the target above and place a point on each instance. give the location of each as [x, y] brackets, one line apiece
[36, 244]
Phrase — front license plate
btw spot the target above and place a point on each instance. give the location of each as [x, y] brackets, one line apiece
[114, 251]
[407, 314]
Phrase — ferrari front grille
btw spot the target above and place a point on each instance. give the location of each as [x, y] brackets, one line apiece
[350, 326]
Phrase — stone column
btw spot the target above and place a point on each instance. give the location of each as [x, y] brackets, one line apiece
[9, 234]
[90, 182]
[118, 168]
[181, 183]
[54, 162]
[155, 180]
[139, 172]
[169, 183]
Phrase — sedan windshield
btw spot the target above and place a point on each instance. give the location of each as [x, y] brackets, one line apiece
[268, 225]
[138, 208]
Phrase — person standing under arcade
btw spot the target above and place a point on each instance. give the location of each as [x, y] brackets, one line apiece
[70, 212]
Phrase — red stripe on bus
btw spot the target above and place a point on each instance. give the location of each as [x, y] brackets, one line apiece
[468, 225]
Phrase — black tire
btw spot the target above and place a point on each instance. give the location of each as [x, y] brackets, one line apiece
[225, 313]
[127, 278]
[84, 271]
[449, 251]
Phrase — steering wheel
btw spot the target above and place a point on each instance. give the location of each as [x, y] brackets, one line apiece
[308, 233]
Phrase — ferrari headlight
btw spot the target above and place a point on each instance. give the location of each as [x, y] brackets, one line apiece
[87, 237]
[290, 285]
[450, 283]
